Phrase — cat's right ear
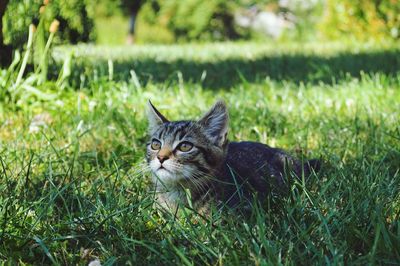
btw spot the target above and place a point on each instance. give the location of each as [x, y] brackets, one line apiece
[155, 118]
[215, 123]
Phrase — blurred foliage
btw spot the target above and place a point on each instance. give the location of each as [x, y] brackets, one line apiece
[75, 17]
[113, 30]
[108, 8]
[174, 20]
[361, 19]
[171, 21]
[306, 15]
[166, 21]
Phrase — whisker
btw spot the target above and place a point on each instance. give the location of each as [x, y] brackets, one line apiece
[200, 179]
[140, 169]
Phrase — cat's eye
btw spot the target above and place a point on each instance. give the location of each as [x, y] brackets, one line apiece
[155, 145]
[185, 146]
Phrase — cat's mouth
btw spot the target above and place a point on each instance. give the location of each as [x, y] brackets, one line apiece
[162, 168]
[164, 173]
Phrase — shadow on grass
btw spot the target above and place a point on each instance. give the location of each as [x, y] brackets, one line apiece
[226, 73]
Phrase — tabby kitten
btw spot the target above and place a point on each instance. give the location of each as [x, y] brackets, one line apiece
[193, 159]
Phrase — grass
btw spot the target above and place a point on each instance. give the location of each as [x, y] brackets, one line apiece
[72, 188]
[224, 65]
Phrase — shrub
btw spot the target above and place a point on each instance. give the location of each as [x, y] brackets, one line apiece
[177, 20]
[361, 19]
[76, 23]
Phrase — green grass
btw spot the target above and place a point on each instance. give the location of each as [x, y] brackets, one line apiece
[224, 65]
[72, 188]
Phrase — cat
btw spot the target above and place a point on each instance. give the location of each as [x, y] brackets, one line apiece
[193, 163]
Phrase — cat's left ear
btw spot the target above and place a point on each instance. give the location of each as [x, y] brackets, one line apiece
[155, 118]
[215, 123]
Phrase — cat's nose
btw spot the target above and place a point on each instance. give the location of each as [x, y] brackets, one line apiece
[164, 154]
[162, 158]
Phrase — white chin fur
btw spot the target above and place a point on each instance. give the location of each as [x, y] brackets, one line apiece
[164, 175]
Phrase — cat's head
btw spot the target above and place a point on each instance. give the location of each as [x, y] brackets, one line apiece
[180, 151]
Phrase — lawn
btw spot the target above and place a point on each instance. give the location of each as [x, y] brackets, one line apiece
[72, 148]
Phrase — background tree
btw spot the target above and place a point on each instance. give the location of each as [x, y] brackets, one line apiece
[5, 50]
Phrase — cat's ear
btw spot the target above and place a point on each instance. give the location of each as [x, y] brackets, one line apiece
[155, 118]
[215, 123]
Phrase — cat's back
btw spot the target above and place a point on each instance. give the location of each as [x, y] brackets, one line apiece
[257, 163]
[252, 167]
[249, 154]
[254, 160]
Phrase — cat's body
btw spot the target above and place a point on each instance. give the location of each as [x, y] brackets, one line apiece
[194, 160]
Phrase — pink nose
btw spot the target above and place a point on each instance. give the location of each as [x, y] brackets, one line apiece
[162, 158]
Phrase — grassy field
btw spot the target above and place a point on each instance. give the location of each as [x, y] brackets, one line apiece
[71, 148]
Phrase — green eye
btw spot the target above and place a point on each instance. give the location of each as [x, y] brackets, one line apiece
[155, 145]
[185, 146]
